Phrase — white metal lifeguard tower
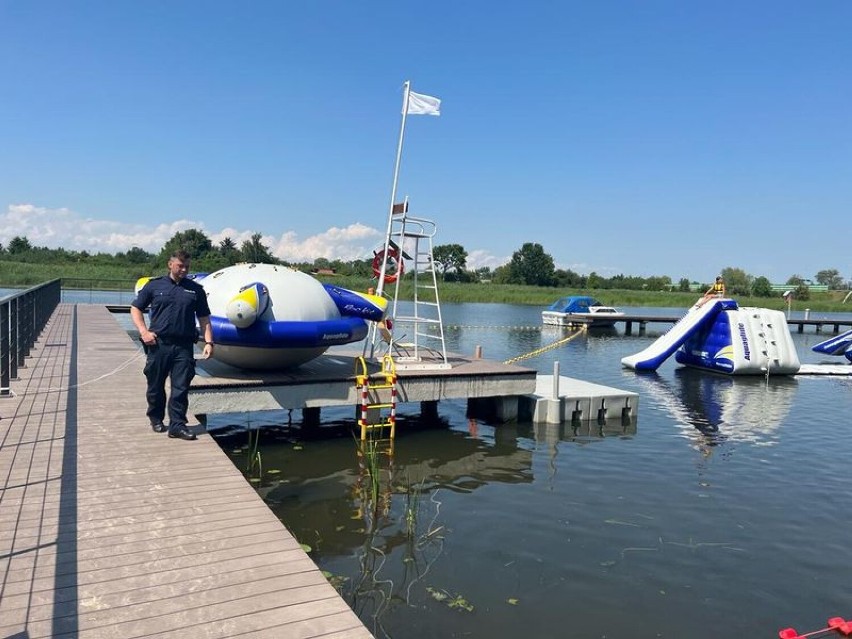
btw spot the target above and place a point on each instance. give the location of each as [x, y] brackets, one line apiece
[414, 336]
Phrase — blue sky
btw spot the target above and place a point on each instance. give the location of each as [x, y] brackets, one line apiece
[645, 138]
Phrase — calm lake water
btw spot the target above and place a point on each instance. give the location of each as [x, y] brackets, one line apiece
[724, 511]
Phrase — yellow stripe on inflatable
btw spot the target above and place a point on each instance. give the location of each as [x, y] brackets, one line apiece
[376, 300]
[241, 311]
[142, 281]
[249, 296]
[727, 352]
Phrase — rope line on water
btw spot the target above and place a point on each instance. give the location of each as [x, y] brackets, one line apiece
[549, 347]
[494, 326]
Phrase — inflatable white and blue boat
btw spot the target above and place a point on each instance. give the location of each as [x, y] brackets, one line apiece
[266, 316]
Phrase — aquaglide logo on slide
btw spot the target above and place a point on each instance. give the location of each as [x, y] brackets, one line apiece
[744, 338]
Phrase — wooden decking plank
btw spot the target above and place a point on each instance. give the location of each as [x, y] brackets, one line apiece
[186, 619]
[140, 552]
[306, 621]
[98, 510]
[141, 603]
[233, 571]
[110, 530]
[54, 493]
[228, 571]
[92, 540]
[145, 509]
[94, 573]
[332, 626]
[187, 533]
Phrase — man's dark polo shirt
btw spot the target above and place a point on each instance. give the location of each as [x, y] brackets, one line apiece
[173, 307]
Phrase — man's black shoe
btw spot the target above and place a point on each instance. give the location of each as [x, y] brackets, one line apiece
[182, 433]
[159, 427]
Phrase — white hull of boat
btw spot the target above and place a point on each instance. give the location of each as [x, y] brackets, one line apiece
[554, 318]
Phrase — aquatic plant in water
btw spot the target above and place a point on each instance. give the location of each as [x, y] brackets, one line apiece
[371, 594]
[412, 505]
[456, 602]
[254, 461]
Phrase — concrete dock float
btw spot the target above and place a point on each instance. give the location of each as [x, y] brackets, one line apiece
[559, 399]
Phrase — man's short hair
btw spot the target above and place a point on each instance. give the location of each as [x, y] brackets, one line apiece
[180, 255]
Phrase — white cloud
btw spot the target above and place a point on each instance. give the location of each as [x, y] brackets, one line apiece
[479, 258]
[352, 242]
[55, 228]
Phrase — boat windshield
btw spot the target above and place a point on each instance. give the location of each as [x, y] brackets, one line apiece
[573, 304]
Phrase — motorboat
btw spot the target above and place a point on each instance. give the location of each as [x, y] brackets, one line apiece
[578, 310]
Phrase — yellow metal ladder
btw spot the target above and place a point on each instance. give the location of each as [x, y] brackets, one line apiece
[376, 414]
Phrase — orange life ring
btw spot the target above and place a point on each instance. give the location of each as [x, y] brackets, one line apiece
[392, 260]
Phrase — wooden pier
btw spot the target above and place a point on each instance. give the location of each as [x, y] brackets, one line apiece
[108, 529]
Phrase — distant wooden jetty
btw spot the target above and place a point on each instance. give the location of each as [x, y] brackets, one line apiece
[642, 320]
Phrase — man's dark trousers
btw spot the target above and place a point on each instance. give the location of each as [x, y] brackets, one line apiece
[177, 360]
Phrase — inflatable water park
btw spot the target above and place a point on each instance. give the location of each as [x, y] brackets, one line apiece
[722, 337]
[266, 316]
[840, 345]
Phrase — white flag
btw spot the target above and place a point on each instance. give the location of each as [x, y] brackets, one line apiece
[419, 104]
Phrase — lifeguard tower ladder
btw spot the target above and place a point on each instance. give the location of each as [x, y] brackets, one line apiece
[427, 349]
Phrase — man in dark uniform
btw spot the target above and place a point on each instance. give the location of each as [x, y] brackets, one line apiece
[175, 303]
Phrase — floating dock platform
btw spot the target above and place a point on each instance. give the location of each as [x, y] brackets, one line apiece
[500, 391]
[558, 399]
[844, 370]
[329, 380]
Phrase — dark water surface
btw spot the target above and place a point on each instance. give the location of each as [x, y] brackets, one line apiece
[724, 511]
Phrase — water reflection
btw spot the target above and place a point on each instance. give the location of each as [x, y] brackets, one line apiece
[329, 482]
[381, 506]
[584, 432]
[712, 410]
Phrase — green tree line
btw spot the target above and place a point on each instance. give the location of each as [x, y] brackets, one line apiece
[530, 265]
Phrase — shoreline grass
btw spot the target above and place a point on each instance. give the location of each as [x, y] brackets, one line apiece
[110, 278]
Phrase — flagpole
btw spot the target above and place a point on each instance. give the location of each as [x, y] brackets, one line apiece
[381, 283]
[371, 339]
